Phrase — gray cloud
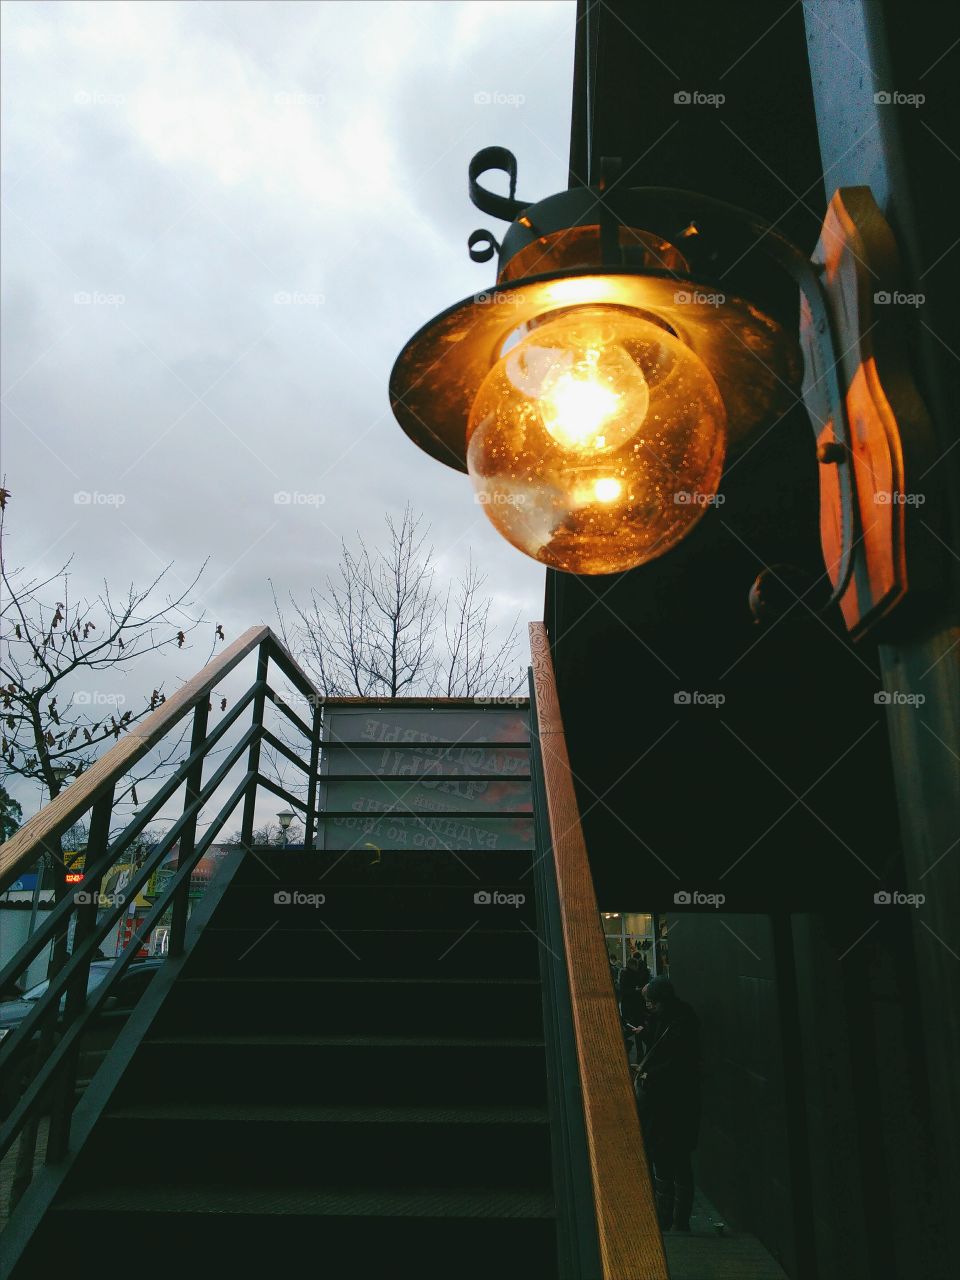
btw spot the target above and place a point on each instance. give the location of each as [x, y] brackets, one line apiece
[184, 166]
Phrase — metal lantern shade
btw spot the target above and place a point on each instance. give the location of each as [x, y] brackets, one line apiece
[438, 373]
[651, 251]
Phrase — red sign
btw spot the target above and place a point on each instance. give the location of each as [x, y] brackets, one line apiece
[129, 929]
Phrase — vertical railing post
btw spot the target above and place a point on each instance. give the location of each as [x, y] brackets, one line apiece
[194, 781]
[23, 1173]
[58, 1137]
[313, 820]
[253, 760]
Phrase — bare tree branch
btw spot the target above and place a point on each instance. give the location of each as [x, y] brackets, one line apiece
[47, 725]
[381, 627]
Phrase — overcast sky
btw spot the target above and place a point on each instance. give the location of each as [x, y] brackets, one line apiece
[221, 223]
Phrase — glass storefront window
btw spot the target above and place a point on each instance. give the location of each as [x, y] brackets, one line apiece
[623, 930]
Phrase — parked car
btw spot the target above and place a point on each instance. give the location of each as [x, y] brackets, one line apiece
[99, 1035]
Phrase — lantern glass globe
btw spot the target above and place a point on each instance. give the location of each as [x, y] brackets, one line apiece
[597, 440]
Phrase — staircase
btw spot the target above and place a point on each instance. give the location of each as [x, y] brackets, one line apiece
[361, 1079]
[391, 1051]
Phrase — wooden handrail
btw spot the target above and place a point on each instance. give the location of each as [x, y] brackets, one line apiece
[23, 848]
[442, 704]
[631, 1247]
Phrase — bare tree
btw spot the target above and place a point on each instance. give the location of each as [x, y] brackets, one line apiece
[475, 659]
[271, 833]
[51, 730]
[382, 627]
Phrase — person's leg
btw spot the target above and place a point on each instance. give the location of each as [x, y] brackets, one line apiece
[664, 1177]
[683, 1190]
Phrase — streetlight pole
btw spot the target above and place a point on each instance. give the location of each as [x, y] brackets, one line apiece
[285, 817]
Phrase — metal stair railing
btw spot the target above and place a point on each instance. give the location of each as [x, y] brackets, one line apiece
[53, 1036]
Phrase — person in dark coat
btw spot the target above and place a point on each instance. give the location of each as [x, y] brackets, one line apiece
[633, 1011]
[668, 1096]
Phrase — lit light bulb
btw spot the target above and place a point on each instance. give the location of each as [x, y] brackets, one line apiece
[607, 489]
[596, 442]
[595, 403]
[575, 410]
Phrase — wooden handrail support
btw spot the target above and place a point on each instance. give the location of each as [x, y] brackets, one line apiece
[24, 847]
[631, 1247]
